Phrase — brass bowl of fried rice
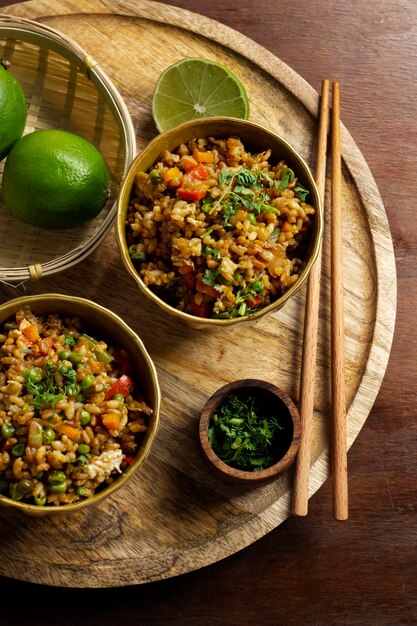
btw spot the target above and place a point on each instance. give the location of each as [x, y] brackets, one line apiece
[219, 221]
[79, 403]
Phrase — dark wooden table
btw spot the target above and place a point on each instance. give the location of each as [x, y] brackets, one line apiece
[314, 570]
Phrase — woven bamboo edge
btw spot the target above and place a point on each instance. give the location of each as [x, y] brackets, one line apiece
[36, 33]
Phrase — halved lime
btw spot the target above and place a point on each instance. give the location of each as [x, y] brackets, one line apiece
[194, 88]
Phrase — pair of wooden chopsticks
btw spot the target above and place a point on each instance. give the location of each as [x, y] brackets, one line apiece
[308, 367]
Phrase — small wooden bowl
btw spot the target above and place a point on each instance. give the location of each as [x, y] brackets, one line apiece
[290, 439]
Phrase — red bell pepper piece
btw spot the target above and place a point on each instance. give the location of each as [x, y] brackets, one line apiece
[207, 289]
[201, 310]
[123, 385]
[188, 275]
[197, 173]
[192, 195]
[256, 301]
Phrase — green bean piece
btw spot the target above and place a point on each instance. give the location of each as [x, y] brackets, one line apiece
[56, 478]
[84, 417]
[8, 430]
[25, 485]
[75, 358]
[18, 449]
[48, 435]
[15, 492]
[103, 356]
[87, 381]
[40, 500]
[64, 355]
[10, 326]
[83, 448]
[58, 488]
[90, 340]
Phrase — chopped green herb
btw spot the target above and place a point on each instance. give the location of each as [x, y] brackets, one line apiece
[242, 432]
[301, 192]
[287, 177]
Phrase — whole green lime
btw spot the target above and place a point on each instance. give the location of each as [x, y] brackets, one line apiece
[55, 179]
[12, 110]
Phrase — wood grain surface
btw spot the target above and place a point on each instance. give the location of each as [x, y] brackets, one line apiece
[314, 570]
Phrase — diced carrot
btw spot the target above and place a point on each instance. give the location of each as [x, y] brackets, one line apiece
[70, 431]
[287, 227]
[30, 331]
[111, 421]
[258, 264]
[188, 162]
[172, 176]
[95, 366]
[203, 157]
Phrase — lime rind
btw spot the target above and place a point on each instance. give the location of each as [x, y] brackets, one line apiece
[194, 88]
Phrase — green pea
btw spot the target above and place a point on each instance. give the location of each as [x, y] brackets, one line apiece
[48, 435]
[79, 491]
[82, 459]
[252, 218]
[120, 398]
[25, 485]
[83, 448]
[58, 488]
[75, 358]
[87, 381]
[257, 286]
[40, 500]
[155, 177]
[84, 417]
[33, 375]
[39, 475]
[18, 449]
[56, 478]
[72, 389]
[8, 430]
[64, 355]
[15, 492]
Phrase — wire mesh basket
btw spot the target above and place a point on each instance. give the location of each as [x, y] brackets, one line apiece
[65, 89]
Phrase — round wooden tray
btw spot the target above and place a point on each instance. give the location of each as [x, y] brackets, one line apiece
[175, 516]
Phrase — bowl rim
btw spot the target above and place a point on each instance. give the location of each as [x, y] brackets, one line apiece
[244, 476]
[122, 206]
[11, 306]
[30, 31]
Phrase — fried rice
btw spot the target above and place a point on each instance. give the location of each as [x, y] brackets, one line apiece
[217, 231]
[71, 416]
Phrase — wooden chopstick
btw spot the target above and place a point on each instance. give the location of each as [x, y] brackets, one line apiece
[308, 364]
[339, 449]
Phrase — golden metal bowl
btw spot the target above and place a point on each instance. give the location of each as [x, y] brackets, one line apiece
[255, 138]
[114, 330]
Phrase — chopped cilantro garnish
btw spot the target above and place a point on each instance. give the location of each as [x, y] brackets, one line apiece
[242, 432]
